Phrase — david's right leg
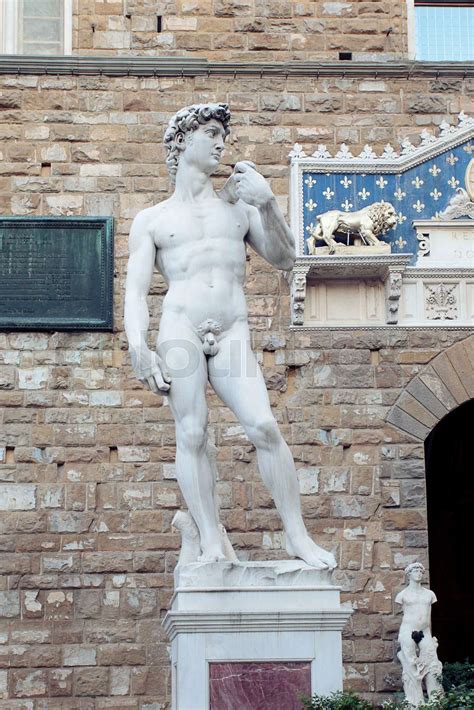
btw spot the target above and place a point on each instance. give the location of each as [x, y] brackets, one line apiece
[186, 363]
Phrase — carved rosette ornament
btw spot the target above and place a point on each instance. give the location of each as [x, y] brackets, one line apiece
[424, 245]
[441, 301]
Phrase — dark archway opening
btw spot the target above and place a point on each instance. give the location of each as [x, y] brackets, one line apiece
[449, 455]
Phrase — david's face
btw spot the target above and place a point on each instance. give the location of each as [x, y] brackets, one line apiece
[204, 146]
[416, 574]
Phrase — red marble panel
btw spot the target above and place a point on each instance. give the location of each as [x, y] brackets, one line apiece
[270, 685]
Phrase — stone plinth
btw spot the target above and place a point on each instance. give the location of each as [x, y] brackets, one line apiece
[241, 630]
[357, 249]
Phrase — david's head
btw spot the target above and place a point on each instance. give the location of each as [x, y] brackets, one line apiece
[415, 571]
[196, 134]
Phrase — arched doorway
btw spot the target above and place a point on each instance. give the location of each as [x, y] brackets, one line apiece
[450, 503]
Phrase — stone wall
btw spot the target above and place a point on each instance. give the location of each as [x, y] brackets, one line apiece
[88, 489]
[245, 30]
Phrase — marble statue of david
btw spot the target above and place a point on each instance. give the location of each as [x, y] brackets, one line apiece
[197, 240]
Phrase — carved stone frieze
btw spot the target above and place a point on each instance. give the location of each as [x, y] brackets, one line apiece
[441, 301]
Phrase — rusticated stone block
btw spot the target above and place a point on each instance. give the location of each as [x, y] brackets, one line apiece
[17, 497]
[91, 682]
[9, 604]
[29, 684]
[60, 682]
[80, 655]
[123, 654]
[231, 8]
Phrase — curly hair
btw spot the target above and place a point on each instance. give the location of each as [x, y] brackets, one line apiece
[412, 566]
[379, 212]
[189, 119]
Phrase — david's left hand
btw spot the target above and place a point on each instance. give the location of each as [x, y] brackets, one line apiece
[251, 187]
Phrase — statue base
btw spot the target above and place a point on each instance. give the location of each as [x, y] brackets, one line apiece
[246, 630]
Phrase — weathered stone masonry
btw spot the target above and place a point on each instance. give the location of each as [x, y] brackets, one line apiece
[87, 486]
[244, 30]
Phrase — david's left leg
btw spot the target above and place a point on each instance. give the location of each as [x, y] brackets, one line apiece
[241, 387]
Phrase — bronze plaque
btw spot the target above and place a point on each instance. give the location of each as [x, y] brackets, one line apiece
[56, 273]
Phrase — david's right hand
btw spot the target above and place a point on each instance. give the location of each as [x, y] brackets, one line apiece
[150, 370]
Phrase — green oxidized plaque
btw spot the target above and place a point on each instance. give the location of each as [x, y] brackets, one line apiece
[56, 273]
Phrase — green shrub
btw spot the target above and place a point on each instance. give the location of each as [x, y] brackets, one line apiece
[336, 701]
[455, 699]
[461, 698]
[458, 675]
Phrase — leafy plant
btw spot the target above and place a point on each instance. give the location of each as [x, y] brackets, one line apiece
[461, 698]
[458, 675]
[336, 701]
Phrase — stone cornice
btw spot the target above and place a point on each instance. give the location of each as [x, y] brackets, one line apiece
[191, 66]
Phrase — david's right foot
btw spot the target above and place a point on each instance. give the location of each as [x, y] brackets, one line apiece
[212, 552]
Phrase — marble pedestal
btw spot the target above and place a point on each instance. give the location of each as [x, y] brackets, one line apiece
[250, 635]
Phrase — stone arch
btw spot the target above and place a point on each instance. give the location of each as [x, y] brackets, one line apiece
[445, 383]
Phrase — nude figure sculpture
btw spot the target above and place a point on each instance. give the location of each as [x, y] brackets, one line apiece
[417, 646]
[197, 240]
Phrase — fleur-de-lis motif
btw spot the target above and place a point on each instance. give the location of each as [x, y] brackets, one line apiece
[311, 205]
[344, 153]
[452, 182]
[434, 170]
[310, 181]
[346, 205]
[401, 218]
[399, 194]
[381, 182]
[436, 194]
[418, 206]
[445, 129]
[417, 182]
[464, 120]
[321, 152]
[427, 137]
[452, 159]
[310, 228]
[469, 148]
[407, 146]
[345, 182]
[364, 194]
[368, 153]
[297, 152]
[389, 152]
[400, 242]
[328, 193]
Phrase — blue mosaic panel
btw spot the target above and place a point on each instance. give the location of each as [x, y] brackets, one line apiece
[419, 193]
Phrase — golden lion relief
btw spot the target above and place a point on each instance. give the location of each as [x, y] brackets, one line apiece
[368, 223]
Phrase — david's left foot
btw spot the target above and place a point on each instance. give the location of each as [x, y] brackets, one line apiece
[303, 547]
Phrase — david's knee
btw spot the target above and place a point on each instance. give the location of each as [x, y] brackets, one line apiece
[191, 436]
[265, 434]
